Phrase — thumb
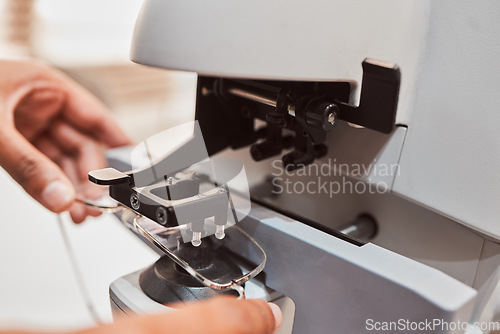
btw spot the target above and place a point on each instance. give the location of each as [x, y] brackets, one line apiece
[37, 174]
[221, 315]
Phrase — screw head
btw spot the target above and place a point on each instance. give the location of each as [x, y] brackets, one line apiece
[331, 118]
[161, 215]
[333, 111]
[134, 201]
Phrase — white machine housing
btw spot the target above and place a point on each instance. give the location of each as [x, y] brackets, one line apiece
[443, 208]
[447, 52]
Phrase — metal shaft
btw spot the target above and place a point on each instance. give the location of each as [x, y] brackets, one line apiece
[259, 98]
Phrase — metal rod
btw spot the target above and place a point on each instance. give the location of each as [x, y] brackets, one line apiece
[259, 98]
[253, 97]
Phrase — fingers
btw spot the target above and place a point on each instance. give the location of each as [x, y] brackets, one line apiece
[83, 150]
[217, 316]
[37, 174]
[35, 111]
[85, 112]
[228, 315]
[278, 316]
[33, 97]
[32, 86]
[79, 212]
[76, 154]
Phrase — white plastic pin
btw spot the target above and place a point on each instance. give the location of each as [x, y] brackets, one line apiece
[196, 241]
[219, 232]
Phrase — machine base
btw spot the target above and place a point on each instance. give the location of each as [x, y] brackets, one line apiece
[127, 298]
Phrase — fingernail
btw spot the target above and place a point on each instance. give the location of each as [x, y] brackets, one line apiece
[278, 316]
[58, 195]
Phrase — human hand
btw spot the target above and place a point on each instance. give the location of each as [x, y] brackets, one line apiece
[222, 315]
[51, 134]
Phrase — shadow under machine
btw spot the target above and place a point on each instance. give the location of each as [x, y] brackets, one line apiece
[340, 186]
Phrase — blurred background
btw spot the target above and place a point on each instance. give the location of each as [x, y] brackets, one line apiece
[90, 41]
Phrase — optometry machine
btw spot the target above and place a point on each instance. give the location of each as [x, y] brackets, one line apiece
[344, 162]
